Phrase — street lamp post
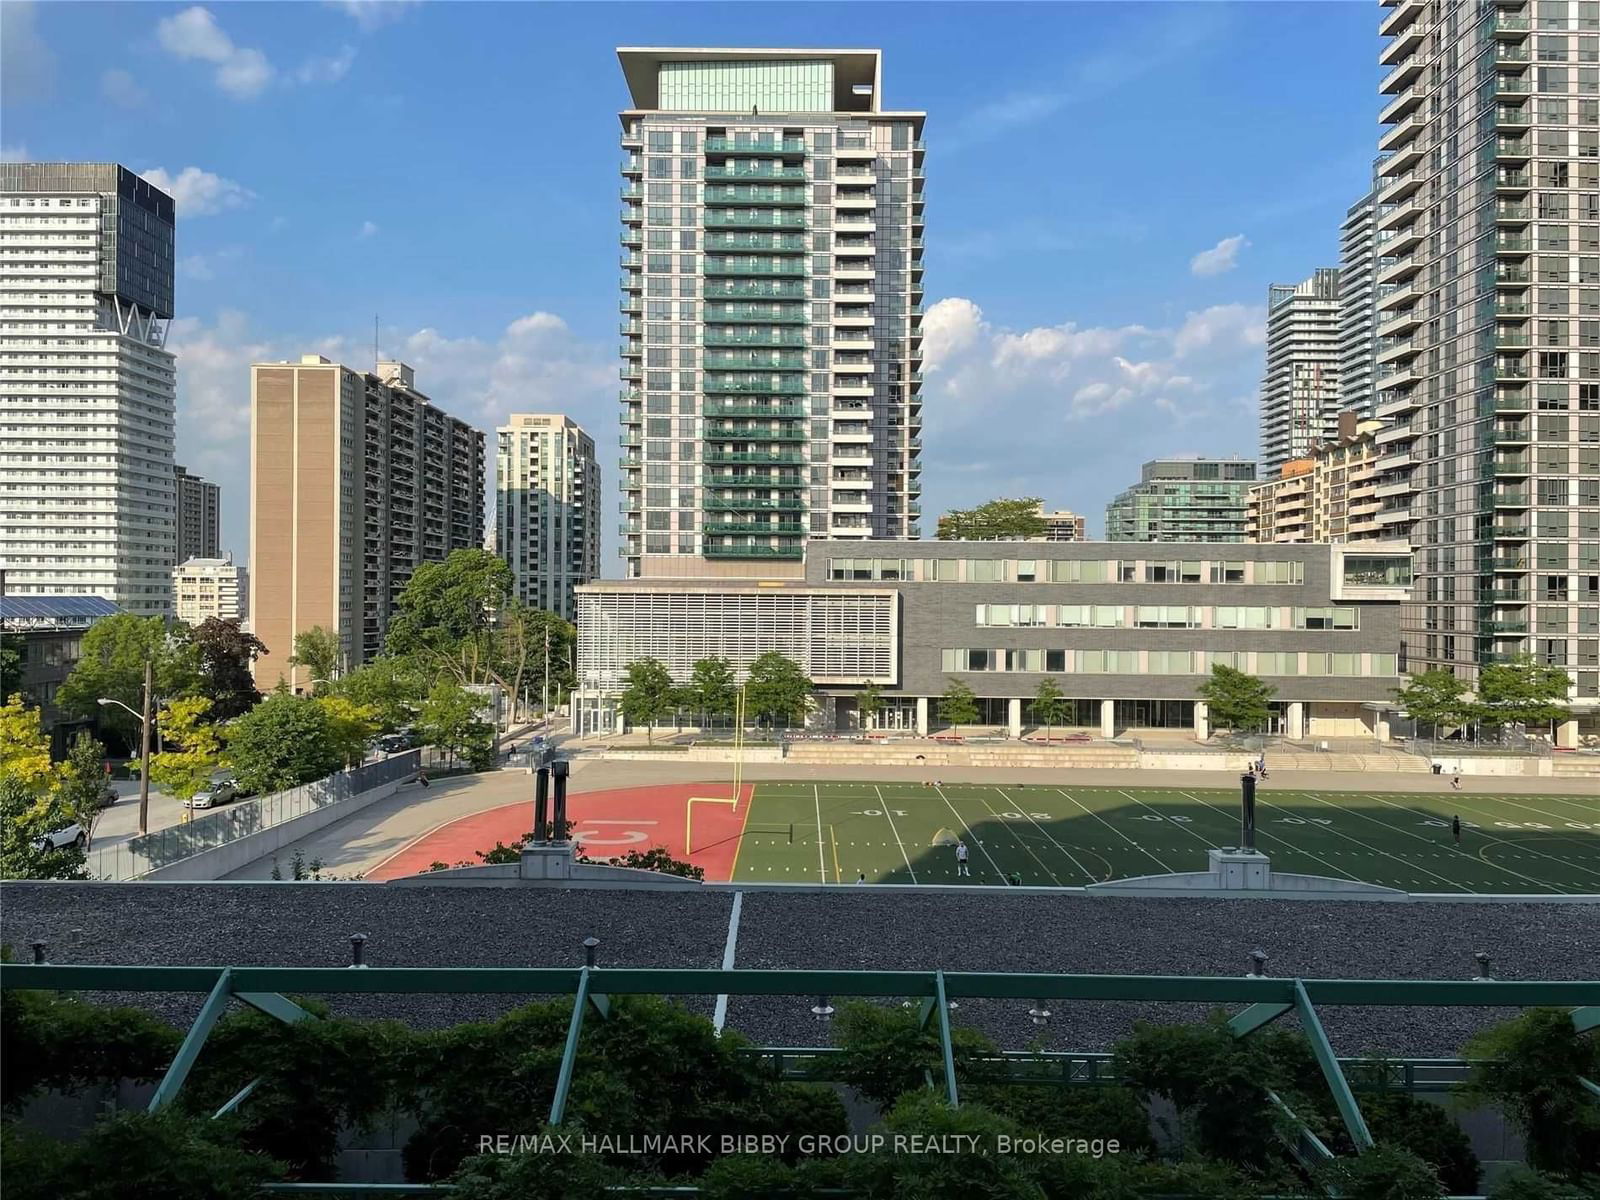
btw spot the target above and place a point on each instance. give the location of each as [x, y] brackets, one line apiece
[144, 747]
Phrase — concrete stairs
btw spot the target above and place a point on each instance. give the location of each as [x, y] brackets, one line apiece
[1575, 766]
[934, 754]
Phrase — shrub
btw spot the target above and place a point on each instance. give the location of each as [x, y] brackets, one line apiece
[1531, 1069]
[1382, 1173]
[48, 1040]
[1520, 1183]
[888, 1052]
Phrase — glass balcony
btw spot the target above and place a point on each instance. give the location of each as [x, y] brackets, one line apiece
[777, 528]
[1510, 499]
[787, 146]
[1514, 465]
[729, 173]
[732, 433]
[791, 196]
[751, 504]
[1513, 181]
[1510, 533]
[787, 314]
[756, 241]
[780, 457]
[755, 337]
[1512, 400]
[1511, 25]
[755, 360]
[633, 238]
[1504, 628]
[633, 191]
[752, 550]
[1512, 85]
[775, 289]
[633, 165]
[760, 481]
[753, 266]
[1510, 307]
[722, 218]
[763, 387]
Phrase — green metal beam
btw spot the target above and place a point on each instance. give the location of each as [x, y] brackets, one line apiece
[1308, 1147]
[925, 1012]
[210, 1013]
[274, 1005]
[944, 1040]
[239, 1098]
[569, 1056]
[1331, 1071]
[1589, 1085]
[1585, 1019]
[1257, 1015]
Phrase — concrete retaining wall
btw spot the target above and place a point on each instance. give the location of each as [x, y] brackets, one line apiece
[230, 856]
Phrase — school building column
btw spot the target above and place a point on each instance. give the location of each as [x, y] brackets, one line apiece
[1014, 716]
[1567, 735]
[1202, 721]
[1108, 718]
[922, 716]
[1294, 721]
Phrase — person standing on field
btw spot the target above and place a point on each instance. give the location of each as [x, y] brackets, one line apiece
[961, 860]
[1455, 828]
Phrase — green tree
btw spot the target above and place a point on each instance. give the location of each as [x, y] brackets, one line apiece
[1519, 1183]
[996, 520]
[775, 689]
[1049, 705]
[111, 665]
[1382, 1173]
[1523, 692]
[26, 816]
[958, 706]
[520, 639]
[1532, 1068]
[226, 652]
[12, 652]
[393, 687]
[447, 613]
[711, 689]
[351, 726]
[81, 780]
[452, 719]
[1436, 698]
[193, 748]
[24, 751]
[869, 704]
[281, 743]
[647, 694]
[317, 650]
[1237, 700]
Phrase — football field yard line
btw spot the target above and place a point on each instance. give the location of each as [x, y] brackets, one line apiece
[884, 805]
[1575, 837]
[1594, 815]
[1367, 845]
[1006, 882]
[1018, 840]
[1546, 834]
[1148, 854]
[1073, 858]
[1499, 841]
[1286, 842]
[1176, 824]
[1540, 883]
[822, 864]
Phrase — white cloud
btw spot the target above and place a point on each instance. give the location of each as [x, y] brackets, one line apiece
[368, 229]
[370, 14]
[14, 154]
[1221, 258]
[241, 72]
[199, 193]
[122, 89]
[27, 64]
[203, 267]
[1068, 411]
[329, 69]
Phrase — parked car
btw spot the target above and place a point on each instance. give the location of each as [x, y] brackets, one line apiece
[396, 743]
[220, 792]
[73, 835]
[108, 795]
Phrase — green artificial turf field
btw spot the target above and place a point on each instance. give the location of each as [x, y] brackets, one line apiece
[903, 832]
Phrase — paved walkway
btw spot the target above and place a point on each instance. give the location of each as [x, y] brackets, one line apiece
[361, 841]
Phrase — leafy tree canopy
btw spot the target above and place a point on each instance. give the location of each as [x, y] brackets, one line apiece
[712, 691]
[226, 652]
[281, 743]
[777, 689]
[193, 748]
[958, 705]
[1436, 698]
[450, 602]
[1049, 705]
[393, 687]
[1237, 700]
[317, 651]
[647, 694]
[452, 719]
[996, 520]
[351, 726]
[1524, 692]
[111, 665]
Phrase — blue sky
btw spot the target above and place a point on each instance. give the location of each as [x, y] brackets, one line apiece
[1111, 187]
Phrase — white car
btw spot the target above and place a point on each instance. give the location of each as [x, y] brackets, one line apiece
[72, 835]
[218, 793]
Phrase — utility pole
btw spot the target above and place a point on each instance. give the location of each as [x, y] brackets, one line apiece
[546, 713]
[144, 753]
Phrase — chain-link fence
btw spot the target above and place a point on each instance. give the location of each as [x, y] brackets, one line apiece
[162, 847]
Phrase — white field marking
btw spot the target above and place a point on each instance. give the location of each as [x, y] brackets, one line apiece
[1562, 834]
[1366, 845]
[1048, 838]
[1543, 883]
[968, 828]
[884, 804]
[1483, 835]
[1286, 842]
[822, 866]
[719, 1016]
[1177, 824]
[1592, 811]
[1119, 833]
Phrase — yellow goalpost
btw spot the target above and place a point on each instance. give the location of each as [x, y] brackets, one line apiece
[738, 776]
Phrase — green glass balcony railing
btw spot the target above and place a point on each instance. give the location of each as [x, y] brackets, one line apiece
[726, 218]
[739, 385]
[728, 433]
[777, 289]
[756, 241]
[732, 172]
[753, 550]
[755, 360]
[786, 314]
[754, 194]
[782, 457]
[775, 481]
[774, 528]
[722, 145]
[751, 504]
[715, 408]
[715, 265]
[734, 336]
